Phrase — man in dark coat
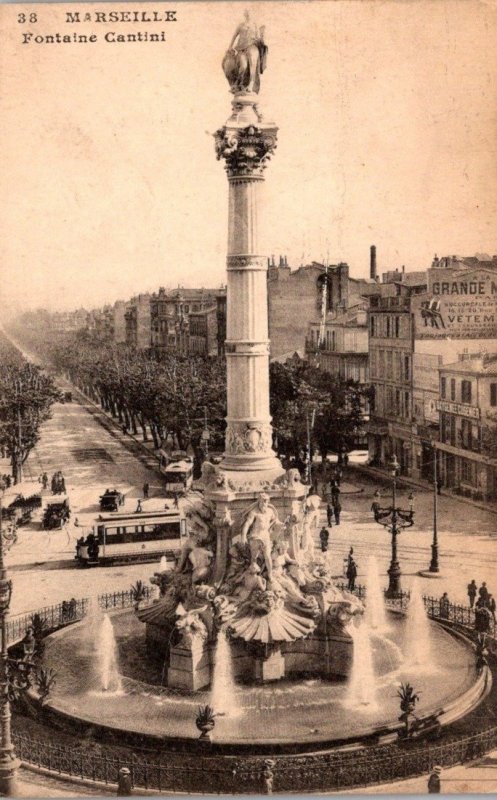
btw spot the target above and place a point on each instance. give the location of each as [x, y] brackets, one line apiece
[336, 510]
[483, 594]
[434, 781]
[324, 537]
[351, 574]
[472, 592]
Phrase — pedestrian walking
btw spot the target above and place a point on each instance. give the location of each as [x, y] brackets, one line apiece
[439, 485]
[139, 508]
[124, 788]
[472, 590]
[329, 514]
[324, 537]
[337, 508]
[350, 556]
[335, 493]
[351, 575]
[176, 499]
[44, 480]
[146, 488]
[434, 781]
[483, 595]
[491, 605]
[444, 605]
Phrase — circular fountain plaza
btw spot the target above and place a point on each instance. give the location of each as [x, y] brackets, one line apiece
[282, 672]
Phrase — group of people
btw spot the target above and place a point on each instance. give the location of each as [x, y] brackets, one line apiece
[7, 481]
[485, 598]
[57, 484]
[87, 549]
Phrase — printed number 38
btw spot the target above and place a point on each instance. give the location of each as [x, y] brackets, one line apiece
[21, 18]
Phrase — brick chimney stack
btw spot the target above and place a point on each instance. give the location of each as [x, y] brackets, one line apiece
[372, 262]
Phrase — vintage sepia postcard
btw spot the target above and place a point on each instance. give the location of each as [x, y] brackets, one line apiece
[248, 397]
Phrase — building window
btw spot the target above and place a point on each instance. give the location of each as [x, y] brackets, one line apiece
[373, 326]
[443, 388]
[443, 427]
[407, 405]
[453, 431]
[452, 388]
[388, 327]
[390, 363]
[466, 392]
[467, 434]
[467, 471]
[397, 402]
[493, 394]
[407, 368]
[397, 327]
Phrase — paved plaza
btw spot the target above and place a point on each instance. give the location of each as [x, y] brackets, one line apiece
[94, 454]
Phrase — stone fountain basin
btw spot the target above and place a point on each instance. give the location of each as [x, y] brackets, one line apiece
[285, 713]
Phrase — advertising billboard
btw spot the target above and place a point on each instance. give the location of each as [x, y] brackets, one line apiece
[459, 304]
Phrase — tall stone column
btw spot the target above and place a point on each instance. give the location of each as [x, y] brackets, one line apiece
[246, 143]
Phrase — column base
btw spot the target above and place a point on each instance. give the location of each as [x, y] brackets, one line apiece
[8, 775]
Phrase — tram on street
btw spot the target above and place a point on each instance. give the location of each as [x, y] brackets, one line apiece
[127, 538]
[177, 469]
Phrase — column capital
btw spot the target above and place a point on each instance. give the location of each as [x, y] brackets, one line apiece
[246, 150]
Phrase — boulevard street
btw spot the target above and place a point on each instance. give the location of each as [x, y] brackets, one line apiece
[95, 456]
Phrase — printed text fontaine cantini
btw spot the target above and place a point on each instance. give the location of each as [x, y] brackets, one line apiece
[110, 19]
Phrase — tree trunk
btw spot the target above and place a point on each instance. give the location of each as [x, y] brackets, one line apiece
[143, 423]
[153, 431]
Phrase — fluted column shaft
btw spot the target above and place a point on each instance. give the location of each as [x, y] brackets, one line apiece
[246, 149]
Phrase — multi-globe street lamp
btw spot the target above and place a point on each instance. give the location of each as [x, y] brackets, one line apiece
[434, 565]
[394, 519]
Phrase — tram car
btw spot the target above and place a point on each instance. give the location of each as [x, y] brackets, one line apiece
[128, 538]
[177, 469]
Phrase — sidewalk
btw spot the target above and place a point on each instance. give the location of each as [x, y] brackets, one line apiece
[376, 472]
[479, 777]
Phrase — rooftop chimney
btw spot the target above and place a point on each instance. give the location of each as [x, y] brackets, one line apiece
[372, 262]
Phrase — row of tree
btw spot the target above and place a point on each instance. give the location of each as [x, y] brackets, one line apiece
[26, 397]
[179, 397]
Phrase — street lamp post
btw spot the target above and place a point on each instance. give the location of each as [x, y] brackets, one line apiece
[394, 519]
[9, 764]
[434, 566]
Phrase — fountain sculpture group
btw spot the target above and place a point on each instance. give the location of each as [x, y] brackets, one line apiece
[271, 594]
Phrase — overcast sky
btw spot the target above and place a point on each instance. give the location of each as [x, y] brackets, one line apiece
[388, 135]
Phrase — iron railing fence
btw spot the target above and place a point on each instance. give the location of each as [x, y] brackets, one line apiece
[73, 610]
[69, 611]
[220, 774]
